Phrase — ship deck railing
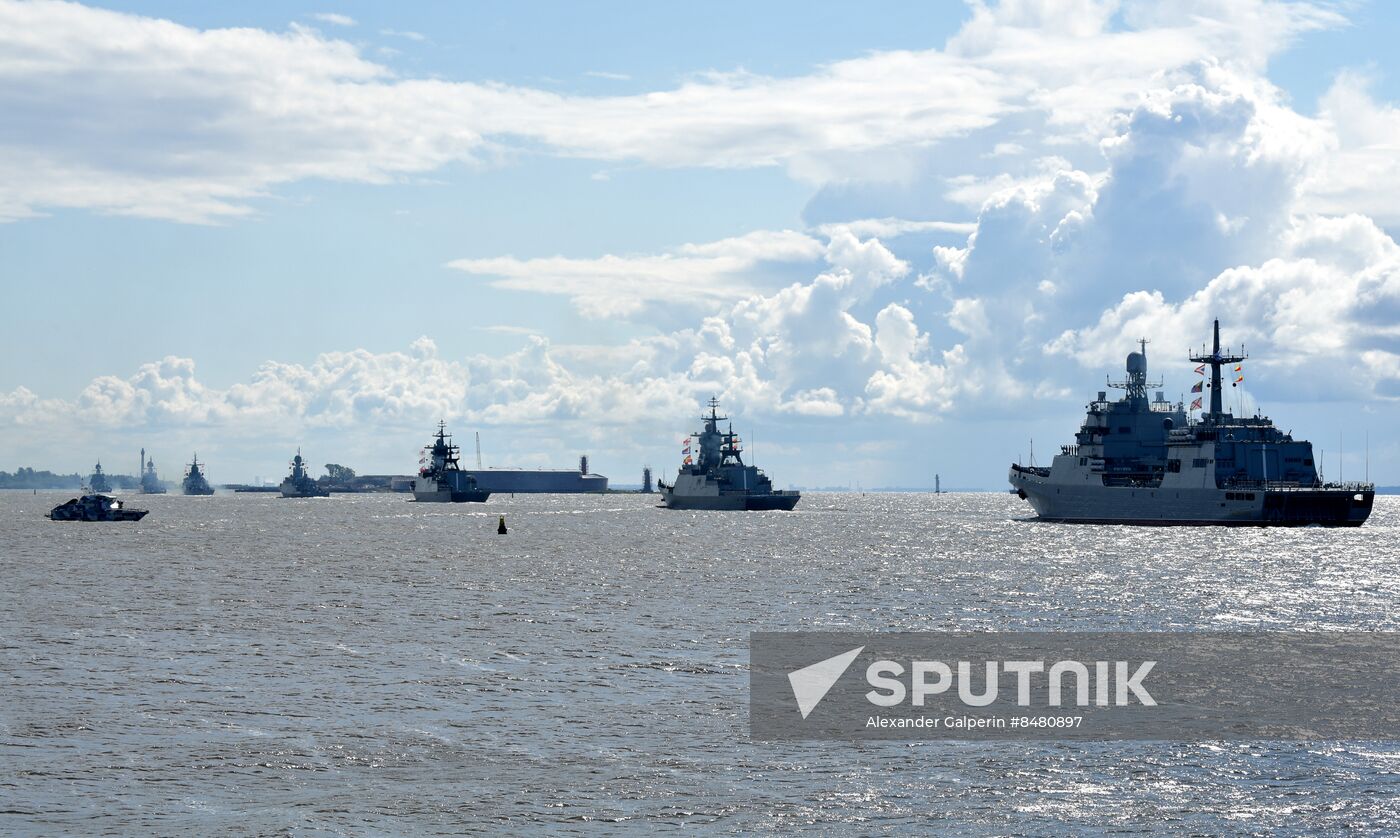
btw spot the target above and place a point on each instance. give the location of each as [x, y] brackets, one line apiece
[1039, 471]
[1294, 486]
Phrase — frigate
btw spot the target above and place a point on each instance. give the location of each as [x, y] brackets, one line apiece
[717, 477]
[97, 481]
[150, 483]
[300, 483]
[195, 483]
[1137, 461]
[440, 477]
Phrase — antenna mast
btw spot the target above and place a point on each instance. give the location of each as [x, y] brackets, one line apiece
[1217, 359]
[478, 450]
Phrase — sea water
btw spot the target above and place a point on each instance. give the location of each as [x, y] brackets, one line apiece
[360, 664]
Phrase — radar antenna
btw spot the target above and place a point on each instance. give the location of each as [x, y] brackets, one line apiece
[1136, 383]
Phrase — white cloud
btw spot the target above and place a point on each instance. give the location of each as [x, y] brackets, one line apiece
[334, 18]
[617, 286]
[405, 34]
[889, 228]
[1201, 213]
[133, 115]
[1362, 174]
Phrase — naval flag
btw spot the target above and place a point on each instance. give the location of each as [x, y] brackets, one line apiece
[1197, 388]
[1196, 405]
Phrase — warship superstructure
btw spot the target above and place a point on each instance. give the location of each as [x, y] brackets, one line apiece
[97, 481]
[1136, 461]
[150, 483]
[717, 477]
[300, 483]
[440, 477]
[195, 483]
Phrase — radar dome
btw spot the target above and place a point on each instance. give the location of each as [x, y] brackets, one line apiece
[1137, 363]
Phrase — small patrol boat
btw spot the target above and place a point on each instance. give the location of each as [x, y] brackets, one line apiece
[94, 508]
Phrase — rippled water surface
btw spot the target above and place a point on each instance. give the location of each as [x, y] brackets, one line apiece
[244, 664]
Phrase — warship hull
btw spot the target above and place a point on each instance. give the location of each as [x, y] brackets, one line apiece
[202, 491]
[444, 491]
[1278, 506]
[731, 503]
[701, 492]
[294, 490]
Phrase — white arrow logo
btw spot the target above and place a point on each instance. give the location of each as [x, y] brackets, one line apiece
[810, 684]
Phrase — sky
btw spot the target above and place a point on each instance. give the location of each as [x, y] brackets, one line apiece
[895, 240]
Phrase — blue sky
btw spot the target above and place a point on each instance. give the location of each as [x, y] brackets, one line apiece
[232, 231]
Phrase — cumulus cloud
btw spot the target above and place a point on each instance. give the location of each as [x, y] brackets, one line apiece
[1203, 211]
[128, 114]
[1199, 212]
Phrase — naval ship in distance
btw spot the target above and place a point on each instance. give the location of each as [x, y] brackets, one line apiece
[440, 478]
[1141, 462]
[719, 479]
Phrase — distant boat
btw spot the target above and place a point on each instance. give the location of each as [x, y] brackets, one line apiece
[195, 482]
[719, 479]
[98, 481]
[299, 484]
[441, 479]
[150, 483]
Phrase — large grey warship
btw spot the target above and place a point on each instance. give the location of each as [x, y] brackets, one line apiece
[195, 483]
[1137, 461]
[300, 483]
[441, 479]
[718, 478]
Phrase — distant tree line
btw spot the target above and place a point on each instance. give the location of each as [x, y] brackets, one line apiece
[25, 477]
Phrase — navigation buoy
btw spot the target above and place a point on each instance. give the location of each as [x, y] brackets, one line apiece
[501, 527]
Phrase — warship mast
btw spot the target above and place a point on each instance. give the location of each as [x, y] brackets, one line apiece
[1216, 360]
